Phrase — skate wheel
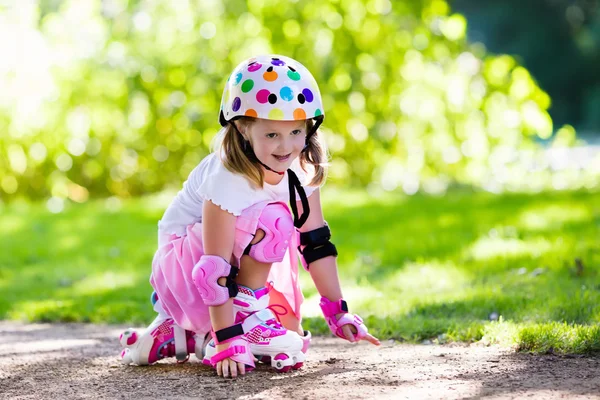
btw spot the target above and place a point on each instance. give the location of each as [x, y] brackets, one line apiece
[281, 362]
[128, 338]
[184, 360]
[126, 357]
[298, 365]
[264, 359]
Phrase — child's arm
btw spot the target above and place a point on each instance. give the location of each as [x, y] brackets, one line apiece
[324, 271]
[218, 236]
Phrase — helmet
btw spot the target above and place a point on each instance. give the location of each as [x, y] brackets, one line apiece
[277, 88]
[271, 87]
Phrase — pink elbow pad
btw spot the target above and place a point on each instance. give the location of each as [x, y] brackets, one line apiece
[206, 274]
[278, 225]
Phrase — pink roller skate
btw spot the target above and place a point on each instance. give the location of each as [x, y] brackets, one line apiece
[163, 338]
[269, 341]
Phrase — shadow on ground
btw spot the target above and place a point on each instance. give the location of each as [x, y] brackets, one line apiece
[43, 361]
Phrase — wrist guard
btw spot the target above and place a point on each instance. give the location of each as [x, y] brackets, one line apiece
[331, 308]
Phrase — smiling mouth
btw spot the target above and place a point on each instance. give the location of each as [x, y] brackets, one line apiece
[282, 158]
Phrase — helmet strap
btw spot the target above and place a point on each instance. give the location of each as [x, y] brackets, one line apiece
[294, 184]
[318, 122]
[249, 151]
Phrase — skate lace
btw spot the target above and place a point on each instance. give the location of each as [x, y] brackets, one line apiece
[276, 323]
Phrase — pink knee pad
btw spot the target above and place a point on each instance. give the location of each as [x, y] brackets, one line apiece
[206, 274]
[278, 225]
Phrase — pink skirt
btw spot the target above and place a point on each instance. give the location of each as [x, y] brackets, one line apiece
[176, 257]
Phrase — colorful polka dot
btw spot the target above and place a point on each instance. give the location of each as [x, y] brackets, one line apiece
[299, 113]
[247, 85]
[238, 78]
[276, 114]
[235, 106]
[277, 62]
[308, 95]
[255, 66]
[262, 96]
[293, 74]
[270, 75]
[281, 89]
[286, 93]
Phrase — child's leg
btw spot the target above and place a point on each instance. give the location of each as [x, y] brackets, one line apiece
[253, 274]
[269, 341]
[289, 319]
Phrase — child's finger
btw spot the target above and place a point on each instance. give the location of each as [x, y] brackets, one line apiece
[233, 368]
[219, 368]
[372, 339]
[225, 366]
[242, 368]
[348, 333]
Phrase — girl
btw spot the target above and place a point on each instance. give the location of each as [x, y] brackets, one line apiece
[227, 262]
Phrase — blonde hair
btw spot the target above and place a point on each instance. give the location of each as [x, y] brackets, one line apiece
[230, 146]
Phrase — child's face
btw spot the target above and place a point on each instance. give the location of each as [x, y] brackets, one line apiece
[277, 143]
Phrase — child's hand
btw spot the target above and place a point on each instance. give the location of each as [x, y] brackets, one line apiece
[343, 324]
[228, 366]
[350, 332]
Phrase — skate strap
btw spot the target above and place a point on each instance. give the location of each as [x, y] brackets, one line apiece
[259, 317]
[223, 335]
[180, 343]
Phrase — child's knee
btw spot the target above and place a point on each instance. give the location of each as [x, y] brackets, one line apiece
[273, 234]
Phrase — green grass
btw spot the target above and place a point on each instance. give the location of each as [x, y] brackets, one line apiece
[416, 268]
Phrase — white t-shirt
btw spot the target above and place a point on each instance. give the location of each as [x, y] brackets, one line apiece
[232, 192]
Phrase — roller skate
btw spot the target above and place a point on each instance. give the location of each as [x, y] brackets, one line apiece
[269, 341]
[162, 339]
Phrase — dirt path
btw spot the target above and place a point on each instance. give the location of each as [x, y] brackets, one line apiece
[79, 361]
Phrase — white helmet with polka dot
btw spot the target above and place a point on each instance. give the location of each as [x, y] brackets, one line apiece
[271, 87]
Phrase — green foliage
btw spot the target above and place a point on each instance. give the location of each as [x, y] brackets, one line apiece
[122, 97]
[565, 62]
[416, 268]
[549, 337]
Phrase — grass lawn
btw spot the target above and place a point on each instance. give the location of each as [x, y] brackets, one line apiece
[520, 270]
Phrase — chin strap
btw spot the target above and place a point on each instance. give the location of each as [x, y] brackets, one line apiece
[293, 183]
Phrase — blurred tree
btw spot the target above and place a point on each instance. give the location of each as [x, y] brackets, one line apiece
[121, 97]
[558, 41]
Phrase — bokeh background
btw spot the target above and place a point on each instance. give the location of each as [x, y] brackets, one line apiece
[120, 97]
[464, 138]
